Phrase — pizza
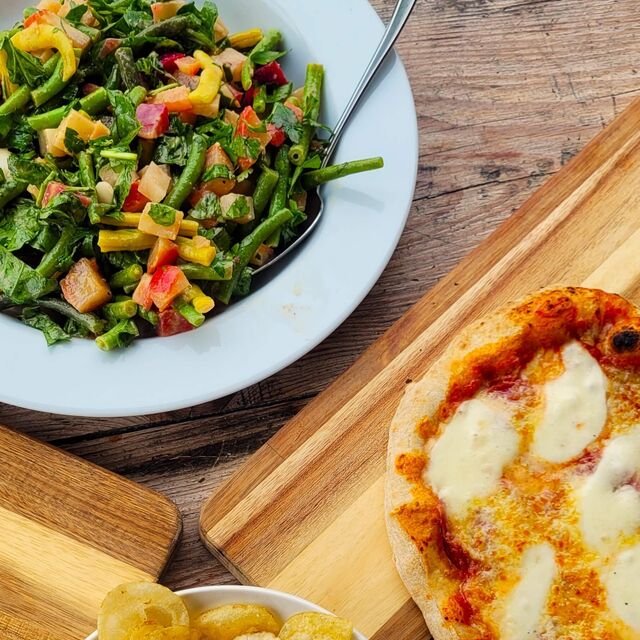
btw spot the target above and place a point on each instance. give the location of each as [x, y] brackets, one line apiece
[513, 480]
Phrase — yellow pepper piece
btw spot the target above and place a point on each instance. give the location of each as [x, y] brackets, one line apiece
[43, 36]
[8, 88]
[245, 39]
[204, 59]
[207, 90]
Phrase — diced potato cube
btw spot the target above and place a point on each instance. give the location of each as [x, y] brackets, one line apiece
[232, 59]
[84, 287]
[148, 225]
[100, 130]
[154, 183]
[210, 110]
[220, 30]
[47, 140]
[237, 208]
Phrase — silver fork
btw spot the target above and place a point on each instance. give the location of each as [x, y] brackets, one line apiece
[315, 207]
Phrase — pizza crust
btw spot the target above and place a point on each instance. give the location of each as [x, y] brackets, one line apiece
[423, 399]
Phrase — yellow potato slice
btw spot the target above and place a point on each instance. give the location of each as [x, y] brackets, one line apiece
[261, 635]
[316, 626]
[144, 632]
[233, 620]
[139, 604]
[175, 633]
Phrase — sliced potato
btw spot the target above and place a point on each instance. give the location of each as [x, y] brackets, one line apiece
[144, 632]
[139, 604]
[233, 620]
[175, 633]
[316, 626]
[261, 635]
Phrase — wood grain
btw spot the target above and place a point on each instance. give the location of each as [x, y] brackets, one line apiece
[319, 508]
[70, 532]
[492, 81]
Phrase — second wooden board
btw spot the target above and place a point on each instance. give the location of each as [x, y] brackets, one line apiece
[69, 533]
[305, 514]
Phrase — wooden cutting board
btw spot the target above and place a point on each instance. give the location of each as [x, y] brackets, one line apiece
[305, 514]
[70, 532]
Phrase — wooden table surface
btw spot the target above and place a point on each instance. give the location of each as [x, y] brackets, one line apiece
[506, 92]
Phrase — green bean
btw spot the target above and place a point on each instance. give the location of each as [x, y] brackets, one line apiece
[188, 312]
[260, 99]
[312, 97]
[191, 173]
[137, 95]
[16, 102]
[128, 71]
[119, 336]
[150, 316]
[51, 88]
[87, 174]
[89, 321]
[123, 310]
[248, 248]
[131, 275]
[269, 42]
[93, 104]
[171, 28]
[264, 189]
[217, 272]
[111, 154]
[50, 65]
[320, 176]
[11, 189]
[279, 197]
[60, 255]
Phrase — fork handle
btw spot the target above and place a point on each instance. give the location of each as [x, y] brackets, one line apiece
[399, 18]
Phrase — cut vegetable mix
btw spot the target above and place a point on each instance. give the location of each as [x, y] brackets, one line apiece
[149, 158]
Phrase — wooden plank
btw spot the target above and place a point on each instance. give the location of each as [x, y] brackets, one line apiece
[319, 511]
[70, 532]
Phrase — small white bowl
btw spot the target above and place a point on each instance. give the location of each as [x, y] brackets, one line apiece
[283, 605]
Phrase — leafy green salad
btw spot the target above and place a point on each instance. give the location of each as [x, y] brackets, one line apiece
[150, 160]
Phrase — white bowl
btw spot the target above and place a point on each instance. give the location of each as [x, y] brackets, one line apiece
[283, 605]
[304, 302]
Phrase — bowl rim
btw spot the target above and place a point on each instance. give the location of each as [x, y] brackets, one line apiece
[307, 605]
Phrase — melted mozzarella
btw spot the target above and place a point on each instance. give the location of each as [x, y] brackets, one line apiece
[623, 587]
[526, 604]
[609, 505]
[468, 459]
[575, 407]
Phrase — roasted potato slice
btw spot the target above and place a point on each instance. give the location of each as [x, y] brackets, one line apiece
[233, 620]
[136, 605]
[261, 635]
[316, 626]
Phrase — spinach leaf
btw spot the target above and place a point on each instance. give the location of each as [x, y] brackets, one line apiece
[20, 282]
[217, 171]
[73, 142]
[280, 94]
[22, 138]
[285, 119]
[203, 20]
[20, 226]
[208, 208]
[242, 147]
[127, 126]
[22, 66]
[52, 332]
[172, 150]
[162, 214]
[24, 167]
[124, 259]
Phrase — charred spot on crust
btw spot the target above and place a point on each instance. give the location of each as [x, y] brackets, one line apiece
[626, 340]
